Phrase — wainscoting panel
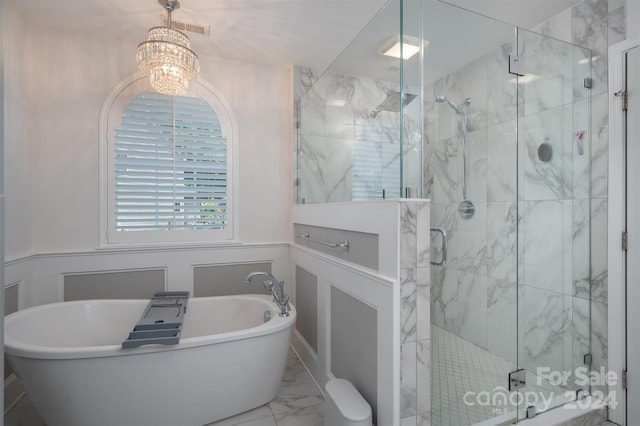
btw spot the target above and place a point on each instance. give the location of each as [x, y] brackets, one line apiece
[307, 306]
[136, 284]
[357, 326]
[225, 280]
[44, 277]
[10, 306]
[354, 343]
[11, 298]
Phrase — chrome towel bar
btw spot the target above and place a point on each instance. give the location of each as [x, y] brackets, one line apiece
[344, 244]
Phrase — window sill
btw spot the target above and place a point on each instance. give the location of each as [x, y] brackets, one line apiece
[121, 247]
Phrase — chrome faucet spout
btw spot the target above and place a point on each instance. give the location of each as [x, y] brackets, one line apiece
[255, 274]
[276, 288]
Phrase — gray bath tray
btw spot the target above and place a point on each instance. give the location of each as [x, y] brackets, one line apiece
[161, 322]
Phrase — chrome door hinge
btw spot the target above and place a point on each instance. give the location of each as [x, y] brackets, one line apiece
[516, 65]
[517, 380]
[625, 380]
[625, 240]
[297, 108]
[531, 412]
[624, 96]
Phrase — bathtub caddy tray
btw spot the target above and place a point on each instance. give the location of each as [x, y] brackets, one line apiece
[161, 322]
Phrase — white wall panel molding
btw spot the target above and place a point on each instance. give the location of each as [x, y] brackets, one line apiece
[42, 275]
[370, 288]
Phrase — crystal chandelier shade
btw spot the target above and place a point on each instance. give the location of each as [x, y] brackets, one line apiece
[168, 59]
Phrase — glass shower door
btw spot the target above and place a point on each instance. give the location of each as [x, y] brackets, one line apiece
[553, 186]
[470, 103]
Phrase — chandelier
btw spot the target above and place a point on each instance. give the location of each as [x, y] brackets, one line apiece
[167, 57]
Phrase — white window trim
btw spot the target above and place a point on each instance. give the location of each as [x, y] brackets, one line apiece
[110, 116]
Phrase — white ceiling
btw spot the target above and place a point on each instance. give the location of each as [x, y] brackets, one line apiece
[301, 32]
[523, 13]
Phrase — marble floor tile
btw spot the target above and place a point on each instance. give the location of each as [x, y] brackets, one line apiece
[307, 416]
[23, 414]
[256, 417]
[298, 390]
[468, 382]
[266, 421]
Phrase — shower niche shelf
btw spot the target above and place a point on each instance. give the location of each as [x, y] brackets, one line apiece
[161, 322]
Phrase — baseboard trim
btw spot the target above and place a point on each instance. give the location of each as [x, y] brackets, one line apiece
[309, 360]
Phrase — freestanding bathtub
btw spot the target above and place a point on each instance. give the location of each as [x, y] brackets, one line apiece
[69, 359]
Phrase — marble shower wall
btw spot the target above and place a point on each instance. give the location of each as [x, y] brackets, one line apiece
[532, 218]
[474, 294]
[415, 306]
[595, 24]
[344, 152]
[553, 209]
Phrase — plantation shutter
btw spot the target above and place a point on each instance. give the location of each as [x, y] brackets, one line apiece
[170, 166]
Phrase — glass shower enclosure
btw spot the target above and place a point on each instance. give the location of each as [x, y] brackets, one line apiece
[507, 172]
[359, 135]
[491, 123]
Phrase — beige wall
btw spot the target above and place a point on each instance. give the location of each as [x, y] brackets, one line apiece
[18, 152]
[56, 84]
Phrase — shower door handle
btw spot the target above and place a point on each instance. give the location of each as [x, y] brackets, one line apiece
[444, 245]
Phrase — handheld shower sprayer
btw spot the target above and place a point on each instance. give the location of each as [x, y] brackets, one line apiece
[457, 108]
[466, 207]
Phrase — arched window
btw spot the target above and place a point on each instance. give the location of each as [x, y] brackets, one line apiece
[169, 169]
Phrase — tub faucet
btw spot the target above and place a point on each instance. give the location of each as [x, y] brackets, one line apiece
[276, 288]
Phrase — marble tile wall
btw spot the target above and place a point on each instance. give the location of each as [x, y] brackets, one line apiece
[558, 204]
[474, 294]
[344, 151]
[415, 318]
[595, 24]
[542, 211]
[553, 207]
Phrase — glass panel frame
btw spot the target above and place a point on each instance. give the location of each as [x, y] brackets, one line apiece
[349, 137]
[470, 102]
[554, 242]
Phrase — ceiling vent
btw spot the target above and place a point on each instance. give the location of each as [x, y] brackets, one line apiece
[182, 26]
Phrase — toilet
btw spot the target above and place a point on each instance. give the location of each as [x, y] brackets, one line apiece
[344, 406]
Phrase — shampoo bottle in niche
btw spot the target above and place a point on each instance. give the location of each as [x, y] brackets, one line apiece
[580, 141]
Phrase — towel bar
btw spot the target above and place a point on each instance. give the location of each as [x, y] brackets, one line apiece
[344, 244]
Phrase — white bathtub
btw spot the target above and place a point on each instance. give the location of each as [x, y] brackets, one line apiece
[69, 359]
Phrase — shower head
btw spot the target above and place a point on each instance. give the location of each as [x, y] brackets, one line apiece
[457, 108]
[393, 102]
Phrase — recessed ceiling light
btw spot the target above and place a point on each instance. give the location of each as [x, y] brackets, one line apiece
[410, 46]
